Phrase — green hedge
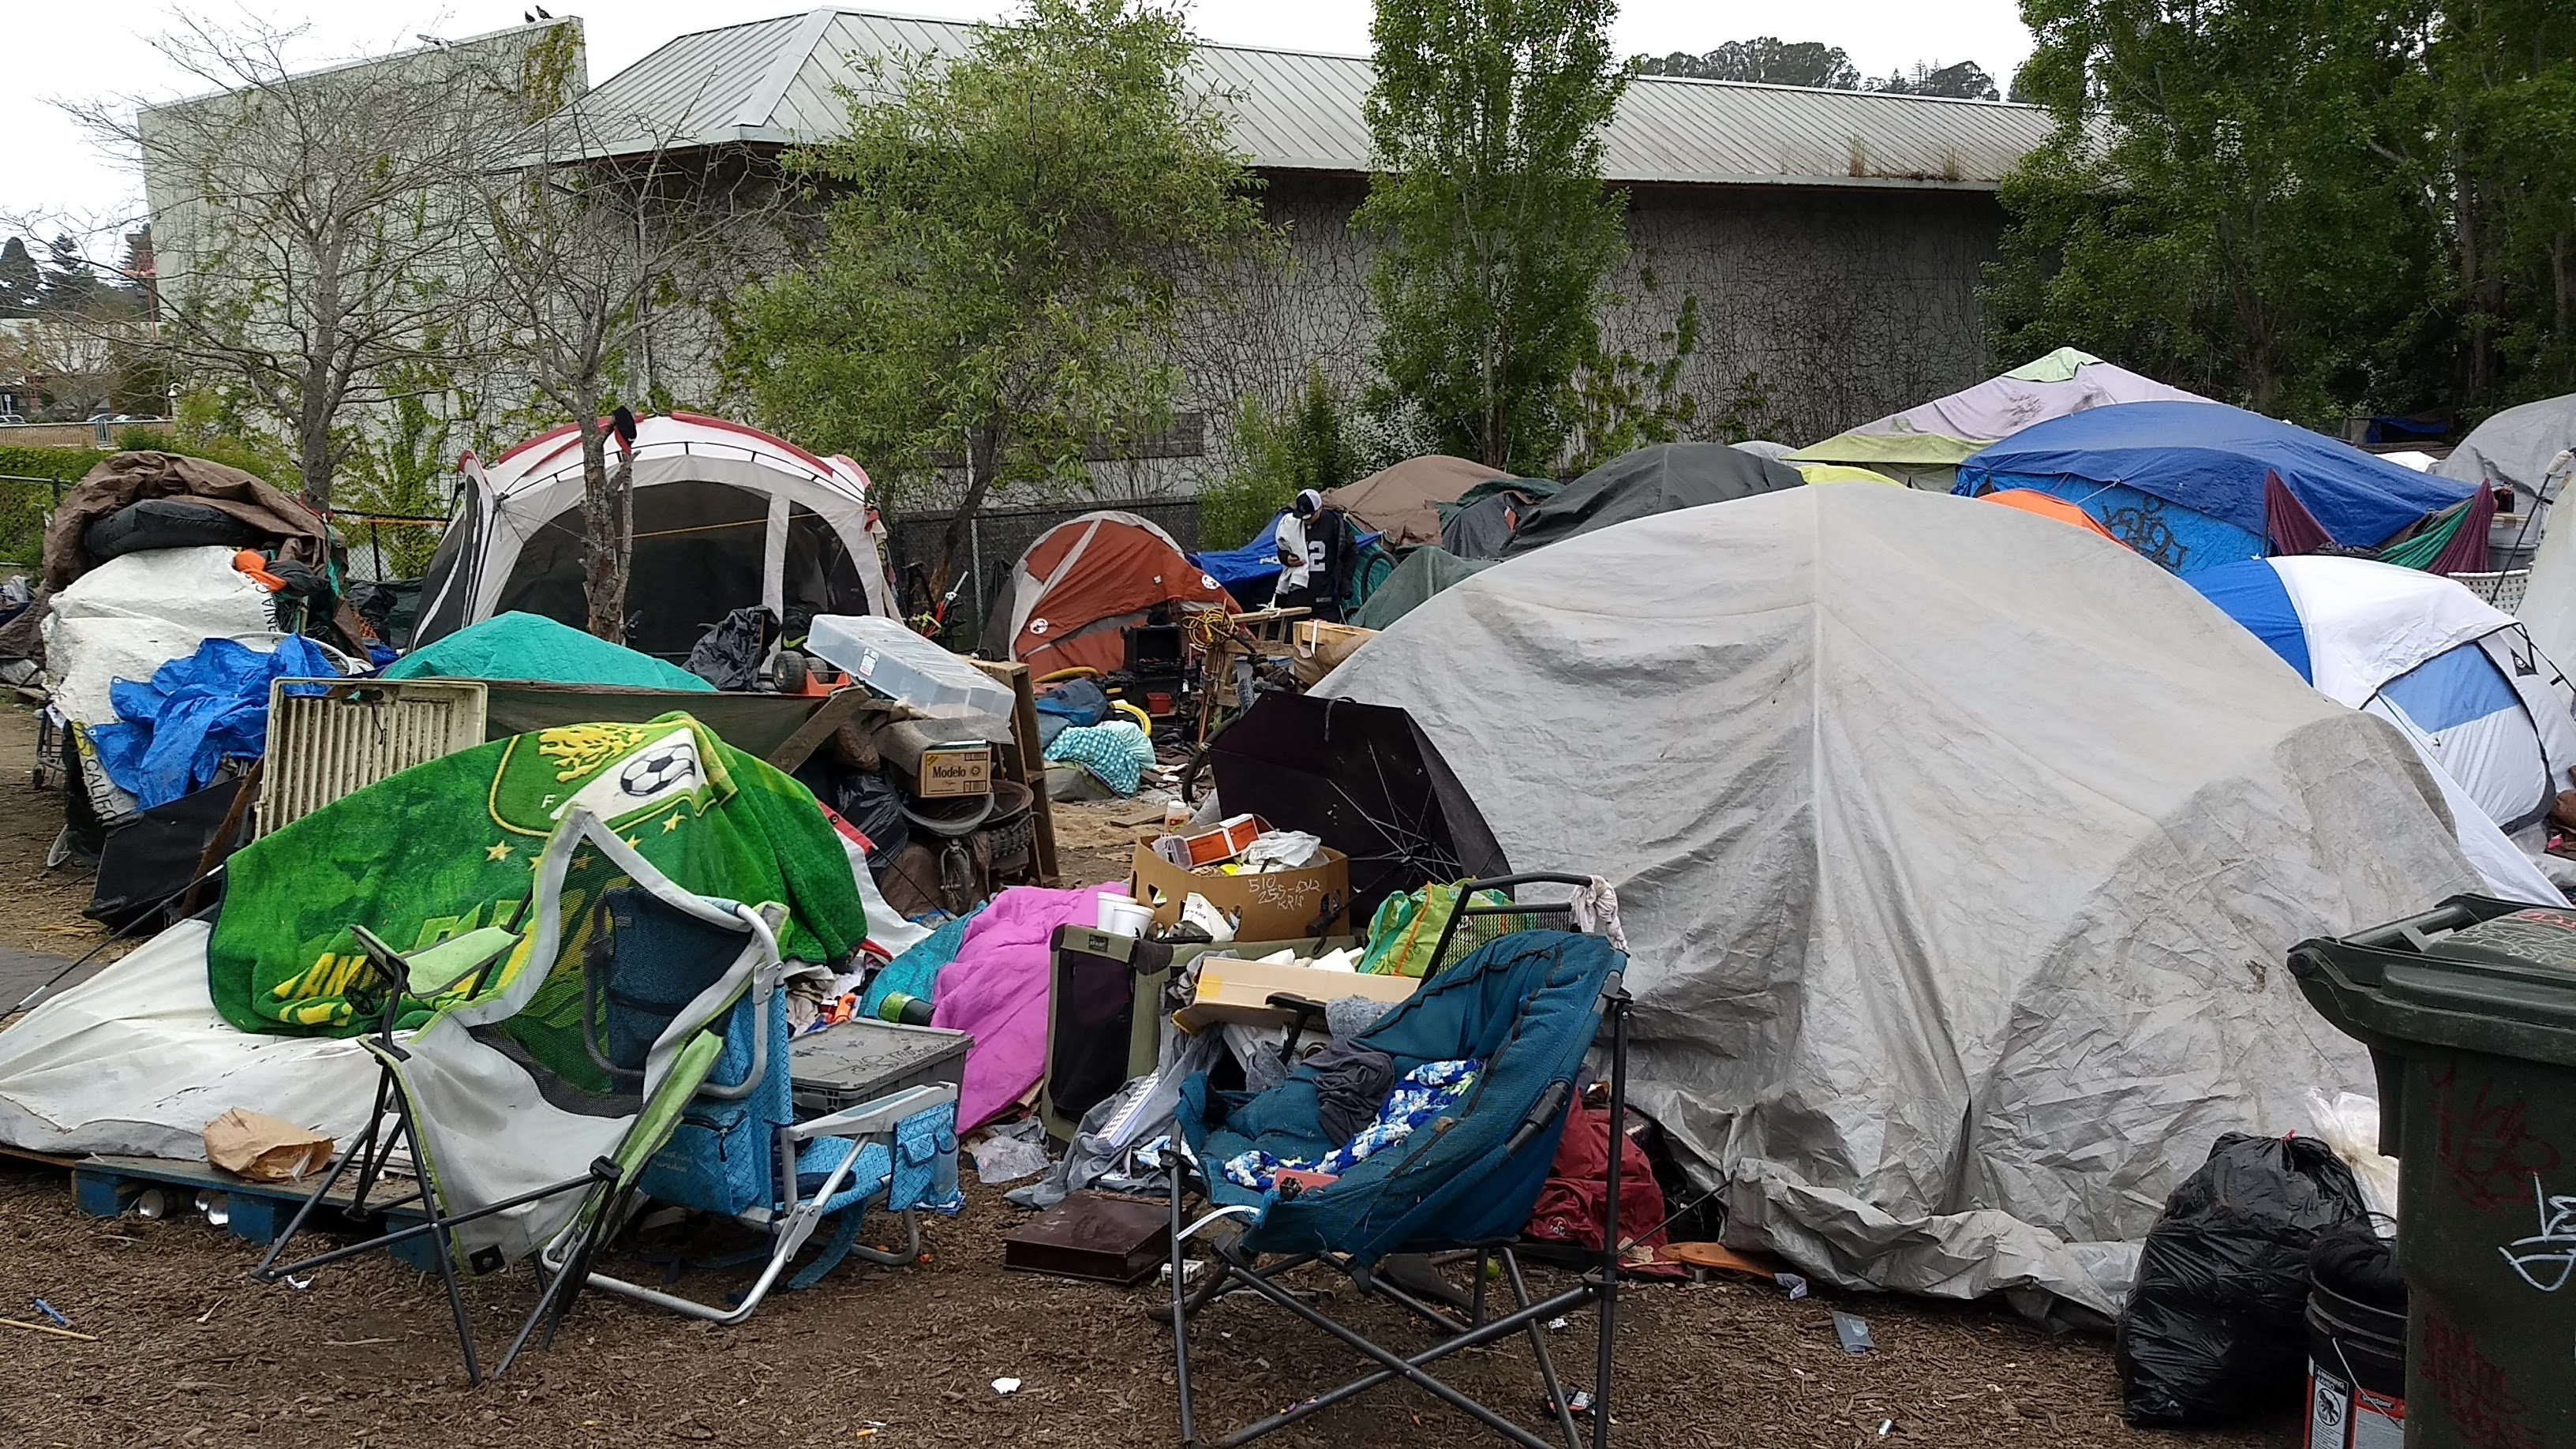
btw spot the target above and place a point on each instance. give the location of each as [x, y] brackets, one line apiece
[23, 504]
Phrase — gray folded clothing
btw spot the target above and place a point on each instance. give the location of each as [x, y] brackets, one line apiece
[1351, 1083]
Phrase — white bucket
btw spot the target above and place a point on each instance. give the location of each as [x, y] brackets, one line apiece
[1123, 916]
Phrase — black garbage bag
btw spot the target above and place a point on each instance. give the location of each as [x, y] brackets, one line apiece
[2215, 1328]
[872, 803]
[390, 607]
[729, 655]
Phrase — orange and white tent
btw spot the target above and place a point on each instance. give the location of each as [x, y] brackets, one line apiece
[1082, 582]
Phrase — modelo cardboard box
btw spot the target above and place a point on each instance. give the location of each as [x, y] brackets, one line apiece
[1274, 905]
[1241, 990]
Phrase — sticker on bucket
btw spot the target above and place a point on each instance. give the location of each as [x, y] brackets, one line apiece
[2329, 1410]
[2342, 1415]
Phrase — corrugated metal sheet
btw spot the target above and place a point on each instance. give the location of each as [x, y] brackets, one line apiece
[778, 81]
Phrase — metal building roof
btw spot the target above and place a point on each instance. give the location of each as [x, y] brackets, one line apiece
[776, 82]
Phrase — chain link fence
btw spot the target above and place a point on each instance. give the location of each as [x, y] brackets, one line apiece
[996, 538]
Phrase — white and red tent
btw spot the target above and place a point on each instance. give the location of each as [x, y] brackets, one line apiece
[725, 516]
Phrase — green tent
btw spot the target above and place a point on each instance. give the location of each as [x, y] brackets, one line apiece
[1424, 572]
[525, 646]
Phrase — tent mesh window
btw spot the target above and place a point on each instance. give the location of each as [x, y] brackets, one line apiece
[698, 553]
[820, 576]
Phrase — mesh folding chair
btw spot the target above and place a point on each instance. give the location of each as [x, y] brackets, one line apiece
[739, 1151]
[524, 1115]
[1524, 1009]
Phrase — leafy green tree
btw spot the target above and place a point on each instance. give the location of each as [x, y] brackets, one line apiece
[1965, 81]
[2503, 74]
[1309, 444]
[1496, 231]
[21, 280]
[1765, 58]
[1009, 235]
[2234, 198]
[67, 284]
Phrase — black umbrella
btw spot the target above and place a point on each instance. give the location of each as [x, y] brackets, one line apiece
[1365, 780]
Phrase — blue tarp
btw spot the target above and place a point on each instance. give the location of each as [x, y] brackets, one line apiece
[2251, 593]
[1250, 572]
[2212, 459]
[196, 712]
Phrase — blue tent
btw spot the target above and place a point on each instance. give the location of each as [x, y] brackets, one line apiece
[2184, 483]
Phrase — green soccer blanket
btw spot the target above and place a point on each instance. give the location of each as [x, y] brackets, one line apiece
[453, 845]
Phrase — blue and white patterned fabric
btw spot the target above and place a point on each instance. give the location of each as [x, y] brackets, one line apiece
[1423, 1096]
[1118, 752]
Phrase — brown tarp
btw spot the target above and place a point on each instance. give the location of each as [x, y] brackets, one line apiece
[131, 477]
[1402, 502]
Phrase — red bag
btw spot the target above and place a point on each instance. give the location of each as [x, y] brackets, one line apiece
[1569, 1206]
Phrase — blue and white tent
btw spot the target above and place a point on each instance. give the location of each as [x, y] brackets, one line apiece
[2459, 678]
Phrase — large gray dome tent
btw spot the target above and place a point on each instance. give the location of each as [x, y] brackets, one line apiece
[1958, 852]
[725, 516]
[2525, 449]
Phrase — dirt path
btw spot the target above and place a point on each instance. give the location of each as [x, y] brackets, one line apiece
[40, 910]
[190, 1352]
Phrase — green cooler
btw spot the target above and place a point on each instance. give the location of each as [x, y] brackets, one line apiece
[2469, 1011]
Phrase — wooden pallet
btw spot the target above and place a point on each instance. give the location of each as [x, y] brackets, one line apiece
[256, 1212]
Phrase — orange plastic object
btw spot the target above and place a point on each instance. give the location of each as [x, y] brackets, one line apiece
[251, 563]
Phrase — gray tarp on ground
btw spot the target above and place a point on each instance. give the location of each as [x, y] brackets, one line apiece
[1958, 851]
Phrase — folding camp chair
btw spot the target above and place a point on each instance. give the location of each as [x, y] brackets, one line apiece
[491, 1097]
[739, 1151]
[1528, 1006]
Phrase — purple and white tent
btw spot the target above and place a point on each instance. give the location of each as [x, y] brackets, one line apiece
[1924, 445]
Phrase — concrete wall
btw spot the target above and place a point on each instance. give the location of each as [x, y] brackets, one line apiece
[1818, 309]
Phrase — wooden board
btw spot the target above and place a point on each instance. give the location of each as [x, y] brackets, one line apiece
[1025, 762]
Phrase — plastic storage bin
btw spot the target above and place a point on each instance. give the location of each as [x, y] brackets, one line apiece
[861, 1060]
[891, 660]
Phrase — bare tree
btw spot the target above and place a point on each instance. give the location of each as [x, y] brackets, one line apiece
[309, 224]
[600, 230]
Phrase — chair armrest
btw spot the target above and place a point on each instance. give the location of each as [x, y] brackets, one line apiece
[880, 1115]
[1542, 1113]
[435, 968]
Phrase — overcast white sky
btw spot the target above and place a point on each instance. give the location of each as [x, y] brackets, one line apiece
[87, 49]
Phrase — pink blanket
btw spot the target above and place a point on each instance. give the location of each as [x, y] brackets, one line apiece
[997, 989]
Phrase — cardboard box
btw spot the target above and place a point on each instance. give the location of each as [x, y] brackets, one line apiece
[1276, 905]
[1241, 991]
[1321, 647]
[1228, 839]
[949, 772]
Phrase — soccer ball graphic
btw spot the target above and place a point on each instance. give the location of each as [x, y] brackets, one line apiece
[663, 768]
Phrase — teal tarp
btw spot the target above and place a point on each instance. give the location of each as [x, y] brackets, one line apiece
[524, 646]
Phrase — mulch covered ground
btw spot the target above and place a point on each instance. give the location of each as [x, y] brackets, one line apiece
[190, 1352]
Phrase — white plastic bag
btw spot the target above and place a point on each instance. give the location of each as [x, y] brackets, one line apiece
[2350, 1125]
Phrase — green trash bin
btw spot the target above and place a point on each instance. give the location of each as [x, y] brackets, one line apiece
[2469, 1011]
